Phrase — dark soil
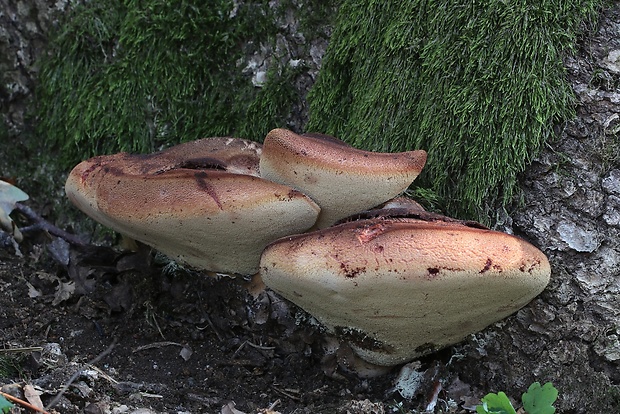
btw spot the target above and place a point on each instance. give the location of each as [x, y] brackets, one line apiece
[168, 339]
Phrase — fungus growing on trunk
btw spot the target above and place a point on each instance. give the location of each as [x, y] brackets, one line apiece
[191, 203]
[395, 282]
[341, 179]
[396, 288]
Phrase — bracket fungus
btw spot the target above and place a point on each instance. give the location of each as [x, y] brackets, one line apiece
[396, 288]
[341, 179]
[394, 283]
[186, 202]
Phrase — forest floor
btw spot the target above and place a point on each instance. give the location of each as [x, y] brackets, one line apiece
[96, 330]
[122, 332]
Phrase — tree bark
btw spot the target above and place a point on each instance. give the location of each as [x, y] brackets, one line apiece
[570, 334]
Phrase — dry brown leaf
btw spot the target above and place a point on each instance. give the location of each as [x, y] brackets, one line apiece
[33, 396]
[63, 292]
[230, 409]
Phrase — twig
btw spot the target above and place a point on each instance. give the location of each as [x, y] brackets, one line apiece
[269, 410]
[40, 224]
[16, 350]
[23, 403]
[104, 374]
[77, 374]
[287, 393]
[272, 406]
[150, 314]
[234, 355]
[264, 348]
[244, 343]
[156, 345]
[212, 327]
[149, 395]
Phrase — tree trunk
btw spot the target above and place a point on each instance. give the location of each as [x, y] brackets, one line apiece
[570, 334]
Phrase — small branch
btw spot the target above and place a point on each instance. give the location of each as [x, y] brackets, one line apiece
[40, 224]
[272, 406]
[212, 327]
[264, 348]
[156, 345]
[287, 393]
[23, 403]
[17, 350]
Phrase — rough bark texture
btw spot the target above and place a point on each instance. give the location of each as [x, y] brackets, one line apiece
[23, 33]
[570, 334]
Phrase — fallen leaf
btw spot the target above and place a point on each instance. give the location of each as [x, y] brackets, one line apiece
[186, 353]
[32, 291]
[9, 195]
[409, 380]
[59, 250]
[230, 409]
[120, 297]
[33, 396]
[63, 292]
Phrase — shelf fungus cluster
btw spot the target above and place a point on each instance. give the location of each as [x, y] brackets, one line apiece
[394, 282]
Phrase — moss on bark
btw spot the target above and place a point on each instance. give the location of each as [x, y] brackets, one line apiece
[138, 75]
[479, 85]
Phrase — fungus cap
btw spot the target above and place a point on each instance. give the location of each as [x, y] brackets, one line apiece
[207, 218]
[234, 155]
[396, 289]
[341, 179]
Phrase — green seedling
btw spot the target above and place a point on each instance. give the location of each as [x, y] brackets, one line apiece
[495, 404]
[537, 400]
[5, 405]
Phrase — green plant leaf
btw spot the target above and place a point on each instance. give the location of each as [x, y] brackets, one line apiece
[9, 195]
[5, 405]
[495, 404]
[539, 400]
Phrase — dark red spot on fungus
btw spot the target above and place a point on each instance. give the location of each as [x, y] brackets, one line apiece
[487, 265]
[201, 180]
[350, 273]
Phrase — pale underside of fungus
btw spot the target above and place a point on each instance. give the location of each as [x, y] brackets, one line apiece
[399, 288]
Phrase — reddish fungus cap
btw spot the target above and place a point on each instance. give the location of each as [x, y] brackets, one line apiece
[399, 288]
[341, 179]
[185, 203]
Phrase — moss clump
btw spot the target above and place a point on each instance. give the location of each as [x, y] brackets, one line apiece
[276, 98]
[133, 76]
[477, 84]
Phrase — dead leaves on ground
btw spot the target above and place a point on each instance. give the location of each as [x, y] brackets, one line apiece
[88, 269]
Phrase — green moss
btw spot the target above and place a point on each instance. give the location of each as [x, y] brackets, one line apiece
[275, 99]
[134, 76]
[476, 84]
